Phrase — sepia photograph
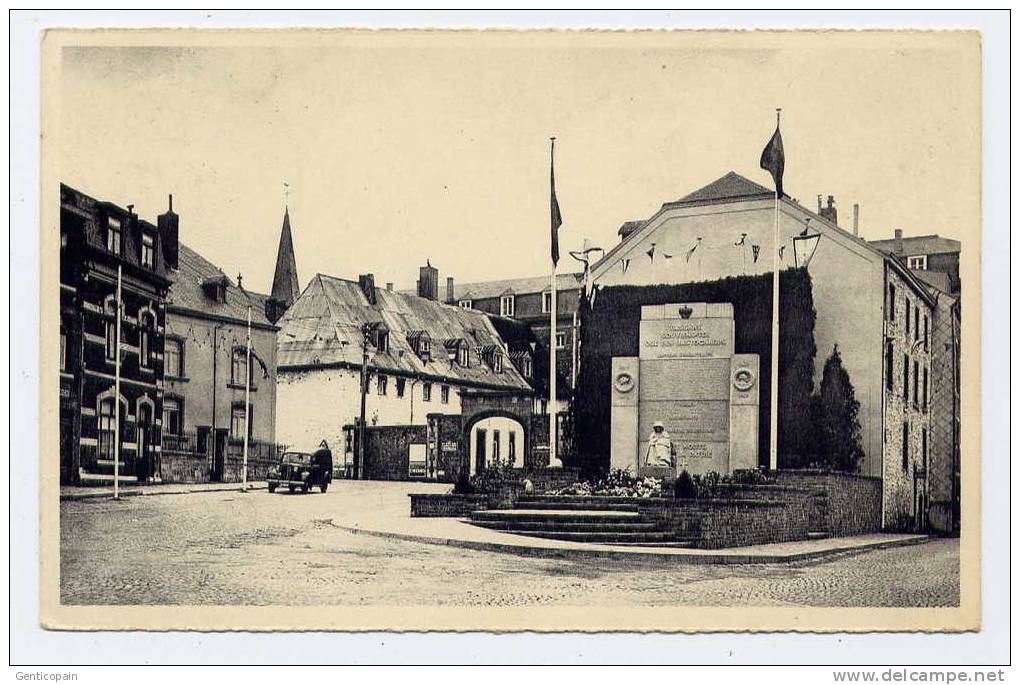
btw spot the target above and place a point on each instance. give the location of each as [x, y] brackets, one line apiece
[500, 330]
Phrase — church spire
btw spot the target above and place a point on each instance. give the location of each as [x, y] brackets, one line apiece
[285, 280]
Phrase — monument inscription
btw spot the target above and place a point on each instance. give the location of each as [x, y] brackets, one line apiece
[687, 377]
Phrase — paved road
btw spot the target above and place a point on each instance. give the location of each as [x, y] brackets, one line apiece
[276, 549]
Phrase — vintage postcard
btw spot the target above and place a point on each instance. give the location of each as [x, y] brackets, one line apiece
[510, 330]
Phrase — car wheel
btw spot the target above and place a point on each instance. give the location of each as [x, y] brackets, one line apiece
[272, 487]
[292, 488]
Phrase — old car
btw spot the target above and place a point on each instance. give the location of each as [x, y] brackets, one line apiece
[303, 470]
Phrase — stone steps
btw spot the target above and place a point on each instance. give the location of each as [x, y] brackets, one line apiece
[556, 515]
[568, 527]
[576, 506]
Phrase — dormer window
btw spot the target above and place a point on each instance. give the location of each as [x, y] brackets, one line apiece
[421, 343]
[526, 366]
[465, 304]
[424, 348]
[506, 306]
[148, 256]
[382, 340]
[497, 362]
[463, 356]
[113, 235]
[546, 301]
[215, 288]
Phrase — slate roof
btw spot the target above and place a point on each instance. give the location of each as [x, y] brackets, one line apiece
[919, 245]
[323, 328]
[285, 280]
[936, 279]
[729, 188]
[518, 286]
[186, 291]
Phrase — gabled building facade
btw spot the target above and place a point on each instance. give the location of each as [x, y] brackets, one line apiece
[931, 257]
[419, 357]
[100, 244]
[868, 303]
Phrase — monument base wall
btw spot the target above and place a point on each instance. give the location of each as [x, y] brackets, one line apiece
[726, 522]
[852, 503]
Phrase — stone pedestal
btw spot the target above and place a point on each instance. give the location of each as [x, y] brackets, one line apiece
[688, 377]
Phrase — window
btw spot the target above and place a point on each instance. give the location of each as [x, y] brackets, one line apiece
[173, 358]
[113, 235]
[892, 302]
[237, 420]
[906, 445]
[917, 323]
[497, 362]
[425, 348]
[561, 341]
[924, 449]
[889, 366]
[426, 392]
[172, 416]
[111, 340]
[463, 356]
[925, 332]
[465, 304]
[511, 451]
[401, 383]
[106, 429]
[924, 391]
[526, 370]
[916, 377]
[444, 394]
[380, 385]
[63, 350]
[906, 320]
[145, 327]
[239, 366]
[382, 341]
[918, 262]
[546, 302]
[906, 379]
[148, 250]
[506, 306]
[495, 444]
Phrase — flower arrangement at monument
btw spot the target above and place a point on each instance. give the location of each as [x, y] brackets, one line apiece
[619, 483]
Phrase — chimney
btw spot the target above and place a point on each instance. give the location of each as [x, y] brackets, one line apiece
[428, 282]
[829, 211]
[857, 217]
[367, 284]
[389, 285]
[169, 228]
[449, 288]
[819, 205]
[898, 233]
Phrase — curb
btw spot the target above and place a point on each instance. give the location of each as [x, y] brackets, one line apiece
[678, 558]
[105, 494]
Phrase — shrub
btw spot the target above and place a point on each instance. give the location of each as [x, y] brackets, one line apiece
[463, 485]
[494, 476]
[683, 487]
[619, 483]
[836, 416]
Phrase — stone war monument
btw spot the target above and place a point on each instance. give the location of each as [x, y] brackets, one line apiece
[687, 378]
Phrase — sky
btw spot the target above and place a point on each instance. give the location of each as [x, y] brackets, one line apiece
[402, 147]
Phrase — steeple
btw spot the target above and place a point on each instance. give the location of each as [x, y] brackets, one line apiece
[285, 280]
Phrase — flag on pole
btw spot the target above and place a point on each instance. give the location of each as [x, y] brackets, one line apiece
[667, 256]
[625, 263]
[781, 248]
[755, 250]
[691, 251]
[743, 238]
[651, 253]
[773, 160]
[554, 208]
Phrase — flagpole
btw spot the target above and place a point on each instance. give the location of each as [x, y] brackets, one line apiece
[774, 390]
[247, 405]
[116, 396]
[553, 433]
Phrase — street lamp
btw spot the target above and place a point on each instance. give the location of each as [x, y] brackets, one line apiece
[804, 245]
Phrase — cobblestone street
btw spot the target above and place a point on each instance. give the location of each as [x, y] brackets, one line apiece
[277, 549]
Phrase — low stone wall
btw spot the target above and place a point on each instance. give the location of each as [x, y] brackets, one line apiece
[545, 480]
[852, 503]
[812, 501]
[184, 467]
[728, 522]
[451, 505]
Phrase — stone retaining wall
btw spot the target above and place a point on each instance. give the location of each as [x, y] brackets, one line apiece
[852, 502]
[451, 505]
[728, 522]
[184, 467]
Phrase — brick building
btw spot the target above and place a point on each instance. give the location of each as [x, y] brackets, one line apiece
[98, 240]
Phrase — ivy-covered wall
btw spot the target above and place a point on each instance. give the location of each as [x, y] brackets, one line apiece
[610, 329]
